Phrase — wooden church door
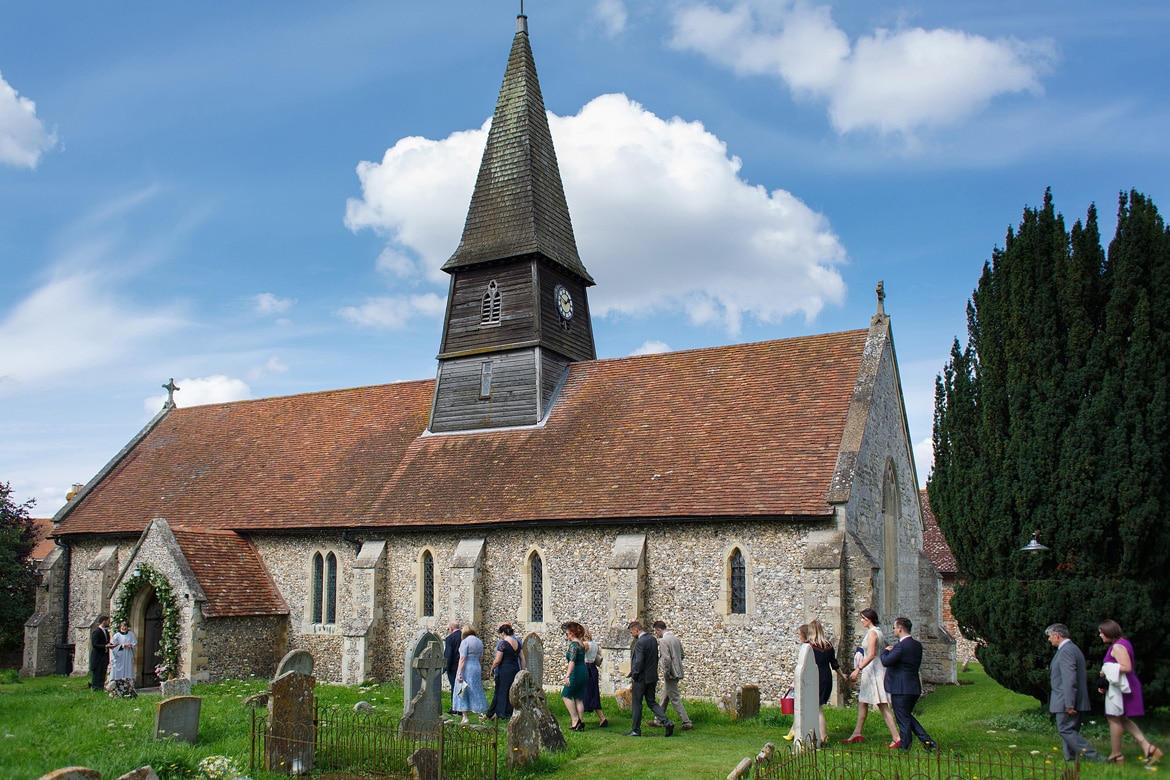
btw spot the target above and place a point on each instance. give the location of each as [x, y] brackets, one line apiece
[151, 640]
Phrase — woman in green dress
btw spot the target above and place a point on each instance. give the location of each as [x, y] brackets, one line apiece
[576, 675]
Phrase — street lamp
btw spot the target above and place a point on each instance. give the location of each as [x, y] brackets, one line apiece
[1034, 545]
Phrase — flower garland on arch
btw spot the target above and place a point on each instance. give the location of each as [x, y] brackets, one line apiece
[168, 647]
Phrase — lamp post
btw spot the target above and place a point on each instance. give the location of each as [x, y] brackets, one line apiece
[1034, 545]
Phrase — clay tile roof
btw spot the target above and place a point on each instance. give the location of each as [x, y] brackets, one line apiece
[229, 570]
[933, 543]
[743, 430]
[42, 527]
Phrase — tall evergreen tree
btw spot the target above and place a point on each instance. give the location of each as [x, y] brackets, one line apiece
[16, 572]
[1054, 417]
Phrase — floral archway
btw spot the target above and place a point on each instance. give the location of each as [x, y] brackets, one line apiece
[145, 576]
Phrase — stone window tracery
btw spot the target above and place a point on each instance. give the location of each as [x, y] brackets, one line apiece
[536, 588]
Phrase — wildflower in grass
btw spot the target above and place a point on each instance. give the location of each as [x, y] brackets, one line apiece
[1035, 752]
[218, 768]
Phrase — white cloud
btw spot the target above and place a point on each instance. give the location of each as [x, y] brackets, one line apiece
[71, 323]
[652, 348]
[663, 220]
[216, 389]
[924, 459]
[395, 312]
[612, 15]
[23, 138]
[893, 81]
[268, 304]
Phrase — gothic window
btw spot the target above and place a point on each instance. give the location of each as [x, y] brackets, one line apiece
[737, 586]
[536, 584]
[490, 305]
[323, 608]
[428, 584]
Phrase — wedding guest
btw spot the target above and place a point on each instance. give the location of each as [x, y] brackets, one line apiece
[506, 664]
[576, 675]
[592, 700]
[122, 647]
[1120, 714]
[469, 695]
[872, 689]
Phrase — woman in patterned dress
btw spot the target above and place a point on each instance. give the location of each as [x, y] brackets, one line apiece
[872, 689]
[576, 675]
[470, 698]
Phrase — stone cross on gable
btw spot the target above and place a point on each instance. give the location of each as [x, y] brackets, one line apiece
[881, 296]
[170, 387]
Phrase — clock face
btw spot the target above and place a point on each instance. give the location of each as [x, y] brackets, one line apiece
[563, 301]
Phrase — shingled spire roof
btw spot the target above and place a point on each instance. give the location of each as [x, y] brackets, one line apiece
[519, 207]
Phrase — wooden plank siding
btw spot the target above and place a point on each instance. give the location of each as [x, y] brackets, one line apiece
[513, 400]
[463, 332]
[575, 342]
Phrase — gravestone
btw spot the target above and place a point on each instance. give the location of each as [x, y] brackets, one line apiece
[178, 718]
[411, 678]
[424, 764]
[547, 728]
[295, 661]
[523, 736]
[534, 658]
[141, 773]
[806, 722]
[180, 686]
[425, 710]
[73, 773]
[746, 703]
[289, 747]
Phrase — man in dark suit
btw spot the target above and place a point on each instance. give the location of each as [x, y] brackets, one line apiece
[451, 655]
[644, 679]
[902, 660]
[99, 653]
[1070, 694]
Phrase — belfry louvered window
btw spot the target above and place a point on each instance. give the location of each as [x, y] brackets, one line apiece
[738, 584]
[490, 305]
[428, 584]
[536, 583]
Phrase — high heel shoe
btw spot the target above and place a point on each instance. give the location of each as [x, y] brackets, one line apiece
[1153, 754]
[851, 740]
[580, 726]
[897, 743]
[1115, 760]
[789, 736]
[603, 724]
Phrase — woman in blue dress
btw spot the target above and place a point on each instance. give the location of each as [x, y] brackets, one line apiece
[576, 675]
[505, 666]
[469, 695]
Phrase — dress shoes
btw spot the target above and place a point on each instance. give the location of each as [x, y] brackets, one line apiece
[686, 727]
[897, 743]
[655, 724]
[633, 734]
[669, 729]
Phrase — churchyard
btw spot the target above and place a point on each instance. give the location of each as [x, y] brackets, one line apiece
[52, 722]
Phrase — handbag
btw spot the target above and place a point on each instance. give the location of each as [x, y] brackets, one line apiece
[460, 687]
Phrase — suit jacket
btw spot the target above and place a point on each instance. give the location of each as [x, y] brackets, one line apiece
[99, 652]
[902, 664]
[644, 665]
[451, 651]
[1067, 676]
[670, 652]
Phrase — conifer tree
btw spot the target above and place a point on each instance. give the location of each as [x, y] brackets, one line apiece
[1054, 417]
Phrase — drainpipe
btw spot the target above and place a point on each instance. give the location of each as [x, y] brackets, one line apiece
[65, 649]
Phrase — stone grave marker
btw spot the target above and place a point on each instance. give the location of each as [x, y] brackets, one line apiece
[178, 718]
[425, 710]
[523, 736]
[424, 764]
[295, 661]
[534, 658]
[411, 678]
[806, 723]
[746, 703]
[290, 742]
[180, 686]
[73, 773]
[141, 773]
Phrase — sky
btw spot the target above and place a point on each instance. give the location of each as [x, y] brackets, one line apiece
[255, 198]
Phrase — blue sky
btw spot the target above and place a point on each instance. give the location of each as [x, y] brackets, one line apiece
[255, 198]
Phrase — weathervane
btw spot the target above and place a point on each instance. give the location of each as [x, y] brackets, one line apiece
[170, 387]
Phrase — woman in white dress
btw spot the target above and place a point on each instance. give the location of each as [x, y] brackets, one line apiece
[872, 690]
[122, 647]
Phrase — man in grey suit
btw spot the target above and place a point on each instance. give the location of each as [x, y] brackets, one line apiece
[670, 654]
[1070, 694]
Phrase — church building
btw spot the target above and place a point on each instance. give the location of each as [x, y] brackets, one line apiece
[734, 492]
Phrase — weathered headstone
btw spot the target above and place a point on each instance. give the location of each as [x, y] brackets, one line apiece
[178, 718]
[180, 686]
[424, 764]
[534, 658]
[410, 675]
[141, 773]
[73, 773]
[806, 723]
[424, 712]
[295, 661]
[745, 703]
[524, 726]
[289, 746]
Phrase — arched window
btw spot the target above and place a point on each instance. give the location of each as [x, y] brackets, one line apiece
[428, 584]
[536, 585]
[490, 305]
[323, 608]
[737, 582]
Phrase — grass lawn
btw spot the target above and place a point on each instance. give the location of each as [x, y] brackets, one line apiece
[51, 722]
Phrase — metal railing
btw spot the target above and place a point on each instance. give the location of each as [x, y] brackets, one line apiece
[837, 762]
[371, 745]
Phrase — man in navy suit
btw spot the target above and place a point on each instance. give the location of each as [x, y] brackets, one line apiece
[1070, 694]
[644, 679]
[902, 661]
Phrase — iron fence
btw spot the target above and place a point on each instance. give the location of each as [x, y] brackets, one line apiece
[344, 743]
[843, 763]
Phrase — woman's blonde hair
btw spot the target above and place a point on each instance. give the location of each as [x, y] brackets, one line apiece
[817, 637]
